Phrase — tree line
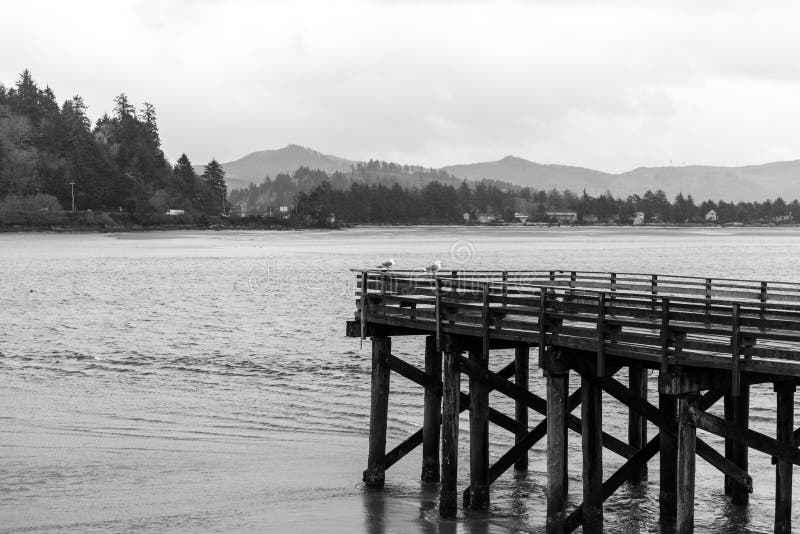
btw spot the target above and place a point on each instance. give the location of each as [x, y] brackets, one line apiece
[437, 203]
[51, 153]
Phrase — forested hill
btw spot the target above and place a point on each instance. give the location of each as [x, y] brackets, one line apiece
[48, 149]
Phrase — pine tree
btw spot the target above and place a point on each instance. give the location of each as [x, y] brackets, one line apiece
[185, 176]
[214, 176]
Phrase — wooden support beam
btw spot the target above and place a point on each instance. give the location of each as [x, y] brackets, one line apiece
[653, 414]
[575, 519]
[519, 450]
[418, 376]
[537, 403]
[521, 371]
[432, 415]
[739, 450]
[637, 425]
[667, 498]
[448, 499]
[592, 424]
[379, 411]
[557, 410]
[477, 497]
[760, 442]
[686, 465]
[409, 444]
[783, 469]
[728, 414]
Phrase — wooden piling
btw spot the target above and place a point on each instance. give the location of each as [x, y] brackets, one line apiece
[637, 425]
[478, 495]
[783, 469]
[668, 458]
[728, 414]
[379, 412]
[521, 371]
[451, 392]
[592, 436]
[739, 451]
[686, 465]
[432, 414]
[557, 392]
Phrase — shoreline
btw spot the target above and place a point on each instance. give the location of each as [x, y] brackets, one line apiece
[97, 229]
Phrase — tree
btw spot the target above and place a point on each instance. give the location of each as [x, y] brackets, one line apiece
[185, 176]
[214, 177]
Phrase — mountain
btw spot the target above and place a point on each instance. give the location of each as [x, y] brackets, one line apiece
[253, 167]
[751, 182]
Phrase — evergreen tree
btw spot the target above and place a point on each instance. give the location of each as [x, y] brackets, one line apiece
[214, 177]
[185, 176]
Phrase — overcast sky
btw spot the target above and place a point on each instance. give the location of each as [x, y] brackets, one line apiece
[607, 85]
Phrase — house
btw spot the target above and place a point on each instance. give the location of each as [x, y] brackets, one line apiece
[486, 218]
[562, 216]
[590, 218]
[783, 218]
[711, 216]
[638, 218]
[520, 218]
[174, 212]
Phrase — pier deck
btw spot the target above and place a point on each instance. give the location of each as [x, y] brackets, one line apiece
[716, 336]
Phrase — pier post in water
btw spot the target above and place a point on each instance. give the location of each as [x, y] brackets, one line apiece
[379, 412]
[521, 370]
[668, 458]
[637, 425]
[741, 415]
[478, 435]
[687, 434]
[448, 499]
[592, 436]
[432, 414]
[783, 474]
[557, 375]
[728, 414]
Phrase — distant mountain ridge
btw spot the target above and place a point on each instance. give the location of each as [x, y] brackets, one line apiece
[254, 167]
[749, 183]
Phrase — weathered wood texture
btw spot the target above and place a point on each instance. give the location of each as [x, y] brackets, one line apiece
[379, 410]
[592, 446]
[783, 473]
[686, 466]
[431, 422]
[478, 494]
[521, 371]
[451, 396]
[637, 425]
[557, 389]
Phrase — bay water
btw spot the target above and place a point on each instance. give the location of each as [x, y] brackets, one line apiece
[202, 381]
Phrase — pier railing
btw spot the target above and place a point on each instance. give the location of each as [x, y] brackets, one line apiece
[740, 325]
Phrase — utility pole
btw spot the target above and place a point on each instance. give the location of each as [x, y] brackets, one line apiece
[72, 188]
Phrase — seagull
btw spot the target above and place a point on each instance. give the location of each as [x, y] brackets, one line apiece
[435, 266]
[387, 264]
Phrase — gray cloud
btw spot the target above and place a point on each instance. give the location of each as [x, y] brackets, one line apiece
[610, 85]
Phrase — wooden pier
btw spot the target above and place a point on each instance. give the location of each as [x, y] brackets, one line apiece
[708, 339]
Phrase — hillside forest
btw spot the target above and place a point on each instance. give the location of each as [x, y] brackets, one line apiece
[57, 168]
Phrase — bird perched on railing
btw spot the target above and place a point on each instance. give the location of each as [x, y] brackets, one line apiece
[387, 264]
[435, 266]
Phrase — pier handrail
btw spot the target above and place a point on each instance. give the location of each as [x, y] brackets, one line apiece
[703, 323]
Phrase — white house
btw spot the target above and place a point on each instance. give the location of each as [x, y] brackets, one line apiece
[638, 218]
[562, 216]
[711, 216]
[520, 218]
[174, 212]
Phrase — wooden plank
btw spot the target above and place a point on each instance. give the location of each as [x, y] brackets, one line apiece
[415, 375]
[736, 340]
[601, 336]
[665, 334]
[448, 498]
[518, 451]
[741, 418]
[432, 413]
[374, 475]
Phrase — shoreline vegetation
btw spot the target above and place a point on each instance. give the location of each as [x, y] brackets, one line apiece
[60, 173]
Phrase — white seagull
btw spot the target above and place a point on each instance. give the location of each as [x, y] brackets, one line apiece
[387, 264]
[435, 266]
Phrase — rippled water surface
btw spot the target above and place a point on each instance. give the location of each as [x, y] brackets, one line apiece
[202, 381]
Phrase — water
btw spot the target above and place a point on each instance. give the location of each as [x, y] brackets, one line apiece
[201, 381]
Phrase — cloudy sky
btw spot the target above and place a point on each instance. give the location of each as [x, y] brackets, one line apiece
[608, 85]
